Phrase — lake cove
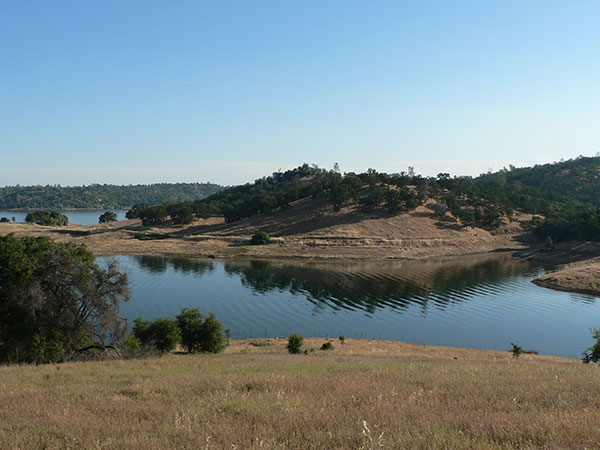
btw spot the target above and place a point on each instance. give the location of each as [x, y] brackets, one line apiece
[484, 301]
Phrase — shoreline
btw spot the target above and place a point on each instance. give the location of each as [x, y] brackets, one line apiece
[576, 265]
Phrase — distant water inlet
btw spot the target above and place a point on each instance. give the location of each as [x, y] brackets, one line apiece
[476, 302]
[79, 216]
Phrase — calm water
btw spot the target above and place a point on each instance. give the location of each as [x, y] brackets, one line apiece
[80, 216]
[478, 302]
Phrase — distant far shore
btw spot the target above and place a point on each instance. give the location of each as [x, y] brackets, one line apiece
[370, 239]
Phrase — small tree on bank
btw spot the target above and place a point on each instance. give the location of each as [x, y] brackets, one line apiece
[107, 217]
[295, 342]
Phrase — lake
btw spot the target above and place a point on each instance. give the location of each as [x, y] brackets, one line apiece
[80, 216]
[474, 302]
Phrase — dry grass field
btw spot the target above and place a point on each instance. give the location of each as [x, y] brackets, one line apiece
[363, 395]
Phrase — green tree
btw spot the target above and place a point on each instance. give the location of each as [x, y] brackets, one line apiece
[165, 334]
[107, 217]
[212, 337]
[190, 323]
[55, 300]
[294, 344]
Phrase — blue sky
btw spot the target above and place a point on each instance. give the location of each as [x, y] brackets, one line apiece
[228, 91]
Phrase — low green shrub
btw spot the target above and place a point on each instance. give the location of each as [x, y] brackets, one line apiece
[260, 238]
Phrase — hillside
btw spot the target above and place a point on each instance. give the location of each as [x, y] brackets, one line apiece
[101, 196]
[364, 394]
[308, 228]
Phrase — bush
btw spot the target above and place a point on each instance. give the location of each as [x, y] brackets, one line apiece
[342, 339]
[4, 220]
[516, 350]
[107, 217]
[327, 346]
[132, 346]
[163, 334]
[260, 238]
[212, 339]
[295, 342]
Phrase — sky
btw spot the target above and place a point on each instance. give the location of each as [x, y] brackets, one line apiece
[130, 92]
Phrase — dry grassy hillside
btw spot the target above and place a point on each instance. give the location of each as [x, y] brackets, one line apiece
[308, 228]
[363, 395]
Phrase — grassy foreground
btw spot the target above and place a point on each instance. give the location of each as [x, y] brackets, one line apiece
[366, 394]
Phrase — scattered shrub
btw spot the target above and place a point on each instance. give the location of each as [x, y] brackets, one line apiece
[4, 220]
[260, 238]
[516, 350]
[294, 344]
[342, 339]
[327, 346]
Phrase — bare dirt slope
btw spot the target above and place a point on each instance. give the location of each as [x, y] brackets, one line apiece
[307, 229]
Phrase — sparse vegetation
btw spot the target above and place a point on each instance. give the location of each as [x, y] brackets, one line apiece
[295, 342]
[327, 346]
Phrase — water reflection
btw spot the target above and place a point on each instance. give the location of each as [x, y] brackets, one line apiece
[363, 286]
[158, 265]
[482, 301]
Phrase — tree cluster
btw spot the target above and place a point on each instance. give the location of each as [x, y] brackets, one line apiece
[191, 329]
[45, 218]
[101, 196]
[55, 300]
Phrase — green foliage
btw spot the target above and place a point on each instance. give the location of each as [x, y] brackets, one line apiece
[190, 323]
[516, 350]
[592, 354]
[101, 196]
[4, 220]
[294, 344]
[194, 333]
[342, 339]
[47, 218]
[163, 334]
[549, 243]
[181, 214]
[212, 339]
[132, 346]
[260, 238]
[107, 217]
[327, 346]
[54, 299]
[153, 215]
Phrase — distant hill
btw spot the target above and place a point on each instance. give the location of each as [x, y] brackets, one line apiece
[566, 193]
[101, 196]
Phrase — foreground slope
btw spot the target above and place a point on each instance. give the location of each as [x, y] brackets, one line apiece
[365, 394]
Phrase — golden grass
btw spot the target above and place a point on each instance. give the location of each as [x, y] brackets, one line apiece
[365, 394]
